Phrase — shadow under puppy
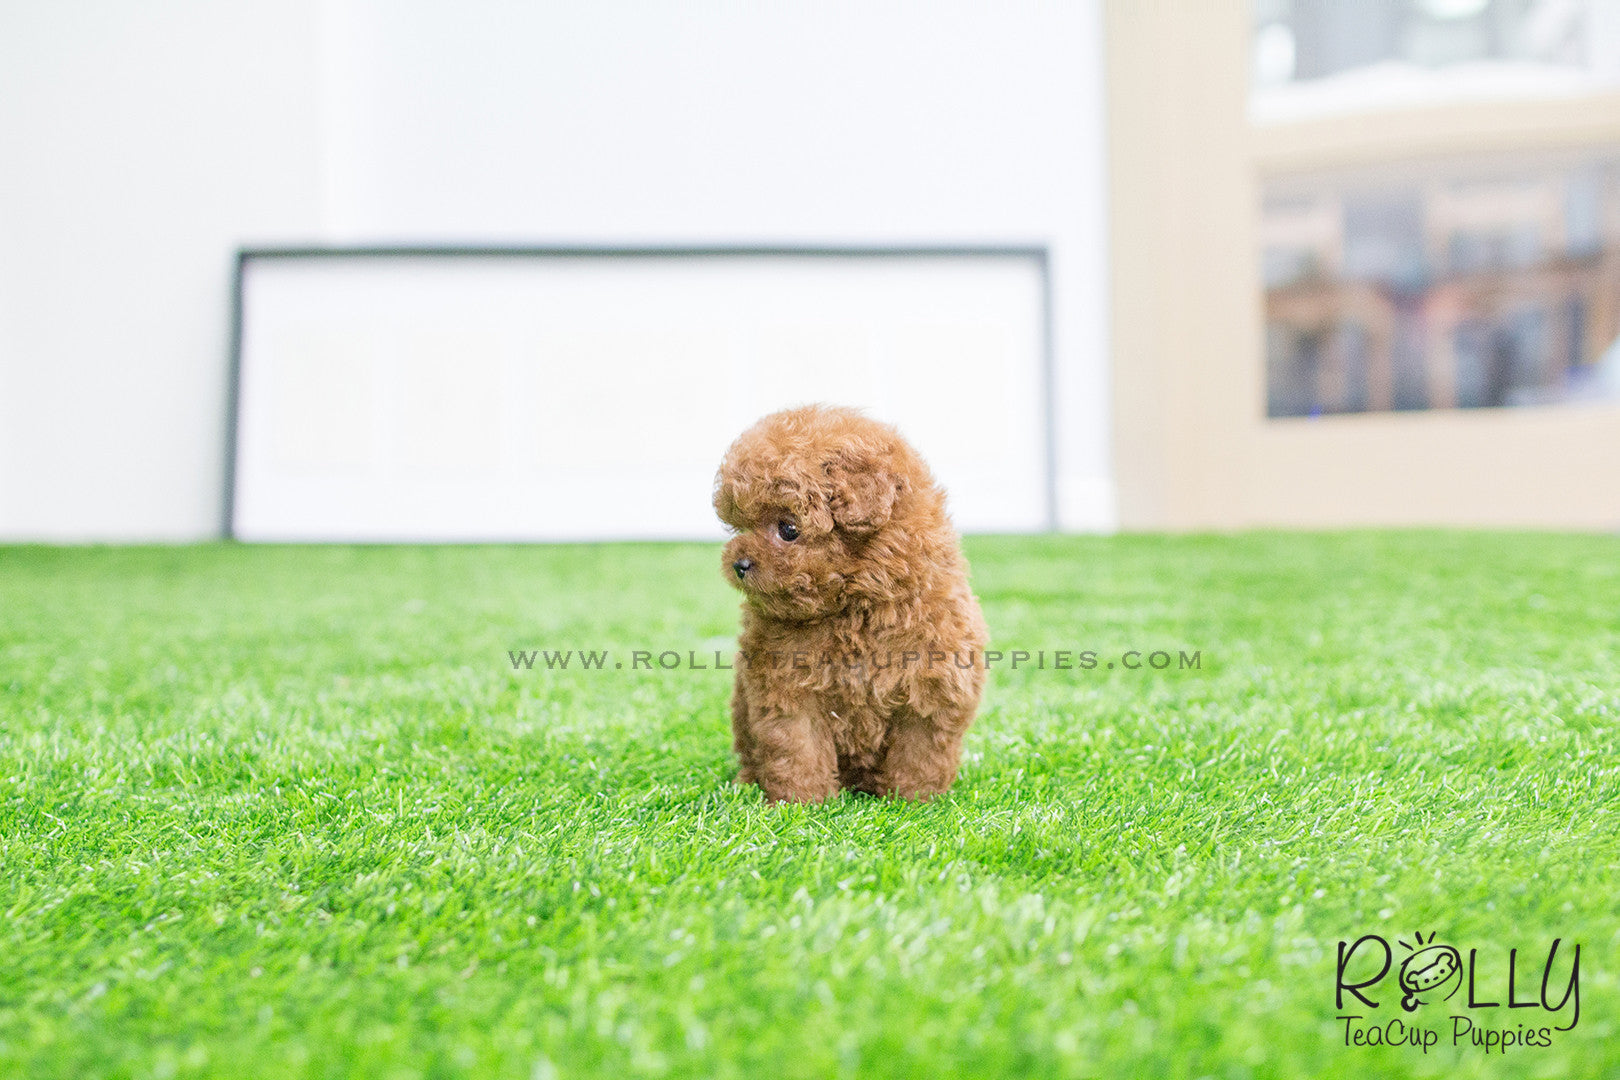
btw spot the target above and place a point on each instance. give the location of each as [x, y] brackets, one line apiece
[862, 645]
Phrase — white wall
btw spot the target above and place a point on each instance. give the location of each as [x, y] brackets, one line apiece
[144, 141]
[139, 145]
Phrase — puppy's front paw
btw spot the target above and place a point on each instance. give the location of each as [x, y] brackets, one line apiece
[745, 776]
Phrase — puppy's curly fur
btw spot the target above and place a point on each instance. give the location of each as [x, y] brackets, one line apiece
[862, 645]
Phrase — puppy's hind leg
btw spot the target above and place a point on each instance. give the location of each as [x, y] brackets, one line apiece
[922, 758]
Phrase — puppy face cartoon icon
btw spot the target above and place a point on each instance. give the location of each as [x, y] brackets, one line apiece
[1432, 973]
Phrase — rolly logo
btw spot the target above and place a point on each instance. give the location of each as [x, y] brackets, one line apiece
[1432, 973]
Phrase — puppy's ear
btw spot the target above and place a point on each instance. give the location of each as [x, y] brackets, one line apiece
[725, 502]
[864, 491]
[731, 491]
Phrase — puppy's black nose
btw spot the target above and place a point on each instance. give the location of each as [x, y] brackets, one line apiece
[742, 566]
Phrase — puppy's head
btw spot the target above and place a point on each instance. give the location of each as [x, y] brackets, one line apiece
[818, 499]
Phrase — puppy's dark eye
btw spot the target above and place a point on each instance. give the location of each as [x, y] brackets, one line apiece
[787, 530]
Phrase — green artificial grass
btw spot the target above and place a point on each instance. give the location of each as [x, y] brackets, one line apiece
[290, 812]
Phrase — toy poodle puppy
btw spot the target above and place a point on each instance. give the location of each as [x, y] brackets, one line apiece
[862, 646]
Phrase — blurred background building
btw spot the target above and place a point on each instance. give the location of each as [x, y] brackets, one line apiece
[1112, 264]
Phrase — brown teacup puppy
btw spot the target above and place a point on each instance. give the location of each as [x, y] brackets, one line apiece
[862, 646]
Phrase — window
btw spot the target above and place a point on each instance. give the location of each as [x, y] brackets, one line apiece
[1311, 57]
[1464, 284]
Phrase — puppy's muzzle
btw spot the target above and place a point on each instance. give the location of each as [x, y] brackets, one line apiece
[741, 567]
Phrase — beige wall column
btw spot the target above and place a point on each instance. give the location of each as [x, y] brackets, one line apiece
[1185, 305]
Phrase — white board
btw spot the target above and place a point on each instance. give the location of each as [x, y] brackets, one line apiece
[546, 396]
